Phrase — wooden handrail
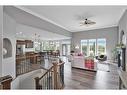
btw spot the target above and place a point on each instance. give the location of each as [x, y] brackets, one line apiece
[54, 64]
[37, 79]
[5, 82]
[24, 65]
[1, 86]
[56, 73]
[45, 73]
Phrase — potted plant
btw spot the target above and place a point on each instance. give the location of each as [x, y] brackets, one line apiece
[114, 54]
[72, 48]
[121, 45]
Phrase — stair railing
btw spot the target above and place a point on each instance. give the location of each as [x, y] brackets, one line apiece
[5, 82]
[52, 78]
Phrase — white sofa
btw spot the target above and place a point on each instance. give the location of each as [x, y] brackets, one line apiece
[79, 62]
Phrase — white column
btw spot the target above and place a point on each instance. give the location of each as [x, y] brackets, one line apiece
[1, 33]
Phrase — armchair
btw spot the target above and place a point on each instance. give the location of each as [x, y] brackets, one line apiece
[101, 57]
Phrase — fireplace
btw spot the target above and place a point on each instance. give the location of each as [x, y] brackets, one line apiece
[122, 58]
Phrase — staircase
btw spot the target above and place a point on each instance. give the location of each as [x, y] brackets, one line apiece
[47, 77]
[26, 81]
[29, 82]
[52, 78]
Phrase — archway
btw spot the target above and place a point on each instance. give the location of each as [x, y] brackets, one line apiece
[7, 48]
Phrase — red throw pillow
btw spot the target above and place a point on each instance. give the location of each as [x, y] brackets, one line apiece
[89, 63]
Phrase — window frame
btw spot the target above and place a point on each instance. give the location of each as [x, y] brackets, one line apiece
[104, 46]
[96, 45]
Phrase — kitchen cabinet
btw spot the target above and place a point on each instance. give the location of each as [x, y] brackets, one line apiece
[20, 42]
[28, 44]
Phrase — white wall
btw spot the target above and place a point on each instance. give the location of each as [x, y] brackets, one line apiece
[109, 33]
[8, 64]
[1, 33]
[123, 26]
[26, 81]
[28, 32]
[15, 84]
[11, 27]
[27, 18]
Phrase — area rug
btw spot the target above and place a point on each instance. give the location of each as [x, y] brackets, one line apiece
[103, 66]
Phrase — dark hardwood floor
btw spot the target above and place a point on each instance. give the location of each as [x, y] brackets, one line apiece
[81, 79]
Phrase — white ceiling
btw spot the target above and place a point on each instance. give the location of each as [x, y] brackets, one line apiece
[69, 17]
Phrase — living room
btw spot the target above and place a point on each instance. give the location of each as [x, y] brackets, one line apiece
[82, 35]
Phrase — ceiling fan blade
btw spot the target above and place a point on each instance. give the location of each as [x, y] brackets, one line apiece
[88, 20]
[84, 25]
[93, 23]
[81, 24]
[87, 23]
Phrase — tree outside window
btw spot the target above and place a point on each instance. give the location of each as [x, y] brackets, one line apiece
[93, 47]
[101, 46]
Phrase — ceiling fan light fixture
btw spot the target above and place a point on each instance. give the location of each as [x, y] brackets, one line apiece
[87, 22]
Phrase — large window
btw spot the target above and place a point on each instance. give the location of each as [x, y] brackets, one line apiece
[37, 46]
[84, 46]
[57, 45]
[101, 46]
[93, 47]
[50, 45]
[47, 45]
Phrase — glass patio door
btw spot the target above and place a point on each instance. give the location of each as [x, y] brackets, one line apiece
[92, 47]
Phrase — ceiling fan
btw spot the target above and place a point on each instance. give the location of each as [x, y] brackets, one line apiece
[87, 22]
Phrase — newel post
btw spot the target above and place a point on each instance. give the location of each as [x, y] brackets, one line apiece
[37, 85]
[55, 75]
